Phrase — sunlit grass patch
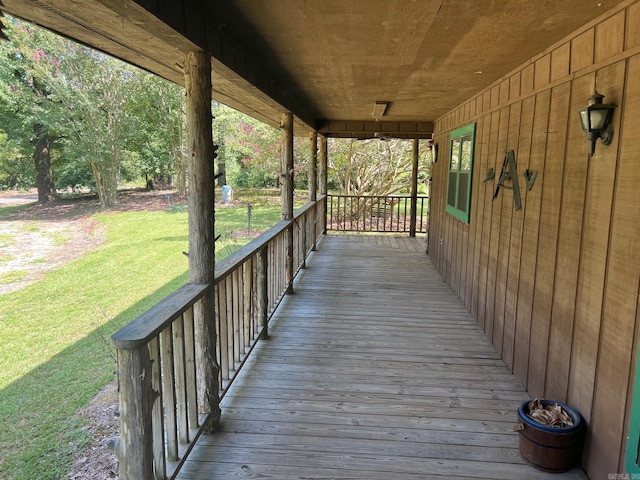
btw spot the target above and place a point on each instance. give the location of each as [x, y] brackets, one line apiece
[12, 276]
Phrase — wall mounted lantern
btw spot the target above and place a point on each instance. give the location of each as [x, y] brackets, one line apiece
[596, 121]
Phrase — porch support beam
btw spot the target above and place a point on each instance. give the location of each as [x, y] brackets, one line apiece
[286, 190]
[197, 76]
[313, 184]
[313, 168]
[375, 129]
[414, 187]
[322, 177]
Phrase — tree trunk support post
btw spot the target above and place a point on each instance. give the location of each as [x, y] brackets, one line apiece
[414, 188]
[287, 191]
[322, 177]
[313, 185]
[197, 74]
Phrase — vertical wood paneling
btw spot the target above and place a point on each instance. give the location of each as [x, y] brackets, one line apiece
[568, 253]
[504, 92]
[495, 96]
[620, 280]
[527, 79]
[555, 286]
[592, 267]
[493, 230]
[582, 50]
[514, 87]
[610, 37]
[475, 232]
[529, 251]
[506, 198]
[560, 59]
[485, 193]
[486, 101]
[549, 217]
[633, 26]
[522, 157]
[543, 71]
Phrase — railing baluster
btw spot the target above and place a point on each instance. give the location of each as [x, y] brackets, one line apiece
[181, 380]
[159, 460]
[373, 213]
[223, 338]
[229, 327]
[168, 389]
[190, 369]
[263, 291]
[247, 296]
[236, 301]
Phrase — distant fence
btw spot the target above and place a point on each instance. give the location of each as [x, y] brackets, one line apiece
[389, 213]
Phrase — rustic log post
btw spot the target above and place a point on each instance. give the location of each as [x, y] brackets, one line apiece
[313, 168]
[197, 74]
[313, 185]
[414, 188]
[135, 446]
[322, 177]
[263, 291]
[287, 191]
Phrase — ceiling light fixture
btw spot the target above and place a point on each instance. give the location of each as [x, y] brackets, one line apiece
[379, 109]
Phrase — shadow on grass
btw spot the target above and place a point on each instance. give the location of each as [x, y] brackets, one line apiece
[39, 429]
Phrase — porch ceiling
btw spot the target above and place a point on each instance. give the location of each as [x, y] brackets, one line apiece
[326, 61]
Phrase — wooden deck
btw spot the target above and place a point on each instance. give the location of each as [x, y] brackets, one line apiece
[373, 370]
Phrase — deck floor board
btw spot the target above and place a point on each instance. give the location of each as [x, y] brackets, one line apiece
[373, 370]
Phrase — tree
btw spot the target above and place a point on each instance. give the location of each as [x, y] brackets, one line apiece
[374, 166]
[100, 114]
[30, 113]
[157, 139]
[249, 148]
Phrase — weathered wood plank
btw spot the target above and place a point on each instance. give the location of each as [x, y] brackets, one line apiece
[548, 230]
[523, 157]
[485, 307]
[608, 286]
[529, 250]
[372, 370]
[570, 231]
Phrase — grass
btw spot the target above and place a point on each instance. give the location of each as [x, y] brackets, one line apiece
[55, 332]
[6, 257]
[7, 240]
[12, 277]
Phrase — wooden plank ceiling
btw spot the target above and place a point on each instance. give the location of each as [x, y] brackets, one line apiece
[326, 61]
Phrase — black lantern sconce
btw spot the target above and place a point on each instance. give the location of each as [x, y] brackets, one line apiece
[596, 121]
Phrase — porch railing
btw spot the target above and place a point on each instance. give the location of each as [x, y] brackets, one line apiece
[164, 406]
[388, 213]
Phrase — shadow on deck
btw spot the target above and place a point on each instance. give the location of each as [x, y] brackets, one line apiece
[373, 370]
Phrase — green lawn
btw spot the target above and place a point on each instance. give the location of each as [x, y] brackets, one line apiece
[55, 349]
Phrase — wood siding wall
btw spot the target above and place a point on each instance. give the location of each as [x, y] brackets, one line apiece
[555, 284]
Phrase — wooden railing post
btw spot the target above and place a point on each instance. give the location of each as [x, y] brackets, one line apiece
[414, 188]
[263, 291]
[135, 446]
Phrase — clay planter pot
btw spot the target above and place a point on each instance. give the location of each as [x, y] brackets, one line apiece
[547, 448]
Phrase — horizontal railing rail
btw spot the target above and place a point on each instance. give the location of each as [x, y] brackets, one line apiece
[162, 366]
[375, 213]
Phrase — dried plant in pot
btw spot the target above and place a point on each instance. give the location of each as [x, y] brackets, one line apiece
[551, 435]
